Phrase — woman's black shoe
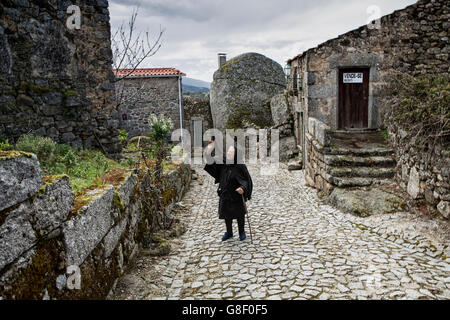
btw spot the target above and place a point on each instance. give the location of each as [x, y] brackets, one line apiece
[227, 236]
[242, 236]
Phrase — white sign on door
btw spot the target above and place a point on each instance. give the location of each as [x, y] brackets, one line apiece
[353, 77]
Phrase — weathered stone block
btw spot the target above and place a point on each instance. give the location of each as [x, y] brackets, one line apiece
[286, 144]
[16, 234]
[280, 109]
[321, 91]
[89, 225]
[112, 238]
[444, 208]
[321, 132]
[52, 205]
[20, 177]
[366, 203]
[126, 189]
[311, 126]
[414, 183]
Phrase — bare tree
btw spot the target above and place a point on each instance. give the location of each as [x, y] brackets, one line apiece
[130, 49]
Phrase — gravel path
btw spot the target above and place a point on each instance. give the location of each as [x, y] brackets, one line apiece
[302, 249]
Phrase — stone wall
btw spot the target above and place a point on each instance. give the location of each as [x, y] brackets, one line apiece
[144, 96]
[197, 108]
[316, 139]
[413, 40]
[424, 177]
[46, 233]
[56, 81]
[283, 120]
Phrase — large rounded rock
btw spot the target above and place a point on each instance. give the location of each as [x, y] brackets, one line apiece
[280, 109]
[242, 90]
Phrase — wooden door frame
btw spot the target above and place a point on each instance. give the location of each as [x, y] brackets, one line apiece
[372, 109]
[341, 71]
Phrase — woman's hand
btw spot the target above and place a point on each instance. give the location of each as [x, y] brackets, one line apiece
[240, 190]
[210, 146]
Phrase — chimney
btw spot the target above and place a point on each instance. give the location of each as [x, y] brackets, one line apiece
[222, 59]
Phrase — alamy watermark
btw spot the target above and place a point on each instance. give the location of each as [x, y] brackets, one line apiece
[251, 143]
[74, 20]
[70, 280]
[374, 17]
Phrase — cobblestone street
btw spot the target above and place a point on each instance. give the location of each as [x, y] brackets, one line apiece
[302, 249]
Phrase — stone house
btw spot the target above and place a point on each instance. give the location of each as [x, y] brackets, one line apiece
[335, 89]
[142, 92]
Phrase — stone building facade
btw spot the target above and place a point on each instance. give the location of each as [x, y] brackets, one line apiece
[414, 40]
[56, 80]
[142, 92]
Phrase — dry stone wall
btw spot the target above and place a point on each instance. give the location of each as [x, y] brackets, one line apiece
[57, 246]
[423, 175]
[57, 81]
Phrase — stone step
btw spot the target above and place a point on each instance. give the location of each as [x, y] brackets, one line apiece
[354, 161]
[364, 152]
[342, 182]
[361, 172]
[366, 143]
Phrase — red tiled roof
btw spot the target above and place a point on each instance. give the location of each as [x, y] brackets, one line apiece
[148, 72]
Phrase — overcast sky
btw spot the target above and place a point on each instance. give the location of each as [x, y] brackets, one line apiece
[196, 30]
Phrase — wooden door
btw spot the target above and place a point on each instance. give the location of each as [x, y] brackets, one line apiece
[353, 98]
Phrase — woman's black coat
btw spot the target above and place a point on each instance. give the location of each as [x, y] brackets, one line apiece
[230, 177]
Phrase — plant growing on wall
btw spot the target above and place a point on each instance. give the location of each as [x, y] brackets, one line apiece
[419, 106]
[123, 135]
[157, 149]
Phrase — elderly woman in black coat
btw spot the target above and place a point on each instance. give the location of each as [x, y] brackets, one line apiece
[235, 184]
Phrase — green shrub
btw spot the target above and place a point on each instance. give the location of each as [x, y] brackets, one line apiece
[84, 167]
[420, 106]
[4, 145]
[123, 135]
[160, 127]
[41, 146]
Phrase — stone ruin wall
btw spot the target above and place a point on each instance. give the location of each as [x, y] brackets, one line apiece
[143, 96]
[45, 231]
[55, 81]
[414, 40]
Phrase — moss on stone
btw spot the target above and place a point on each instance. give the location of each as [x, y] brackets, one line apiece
[69, 93]
[118, 203]
[228, 65]
[12, 154]
[169, 194]
[84, 197]
[48, 181]
[115, 177]
[244, 113]
[31, 281]
[32, 88]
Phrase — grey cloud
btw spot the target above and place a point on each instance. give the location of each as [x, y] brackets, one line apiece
[196, 30]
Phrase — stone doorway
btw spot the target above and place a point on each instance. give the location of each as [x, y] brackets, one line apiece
[353, 110]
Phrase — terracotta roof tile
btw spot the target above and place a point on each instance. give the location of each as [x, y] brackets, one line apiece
[148, 72]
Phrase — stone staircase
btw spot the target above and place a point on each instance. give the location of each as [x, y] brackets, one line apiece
[358, 159]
